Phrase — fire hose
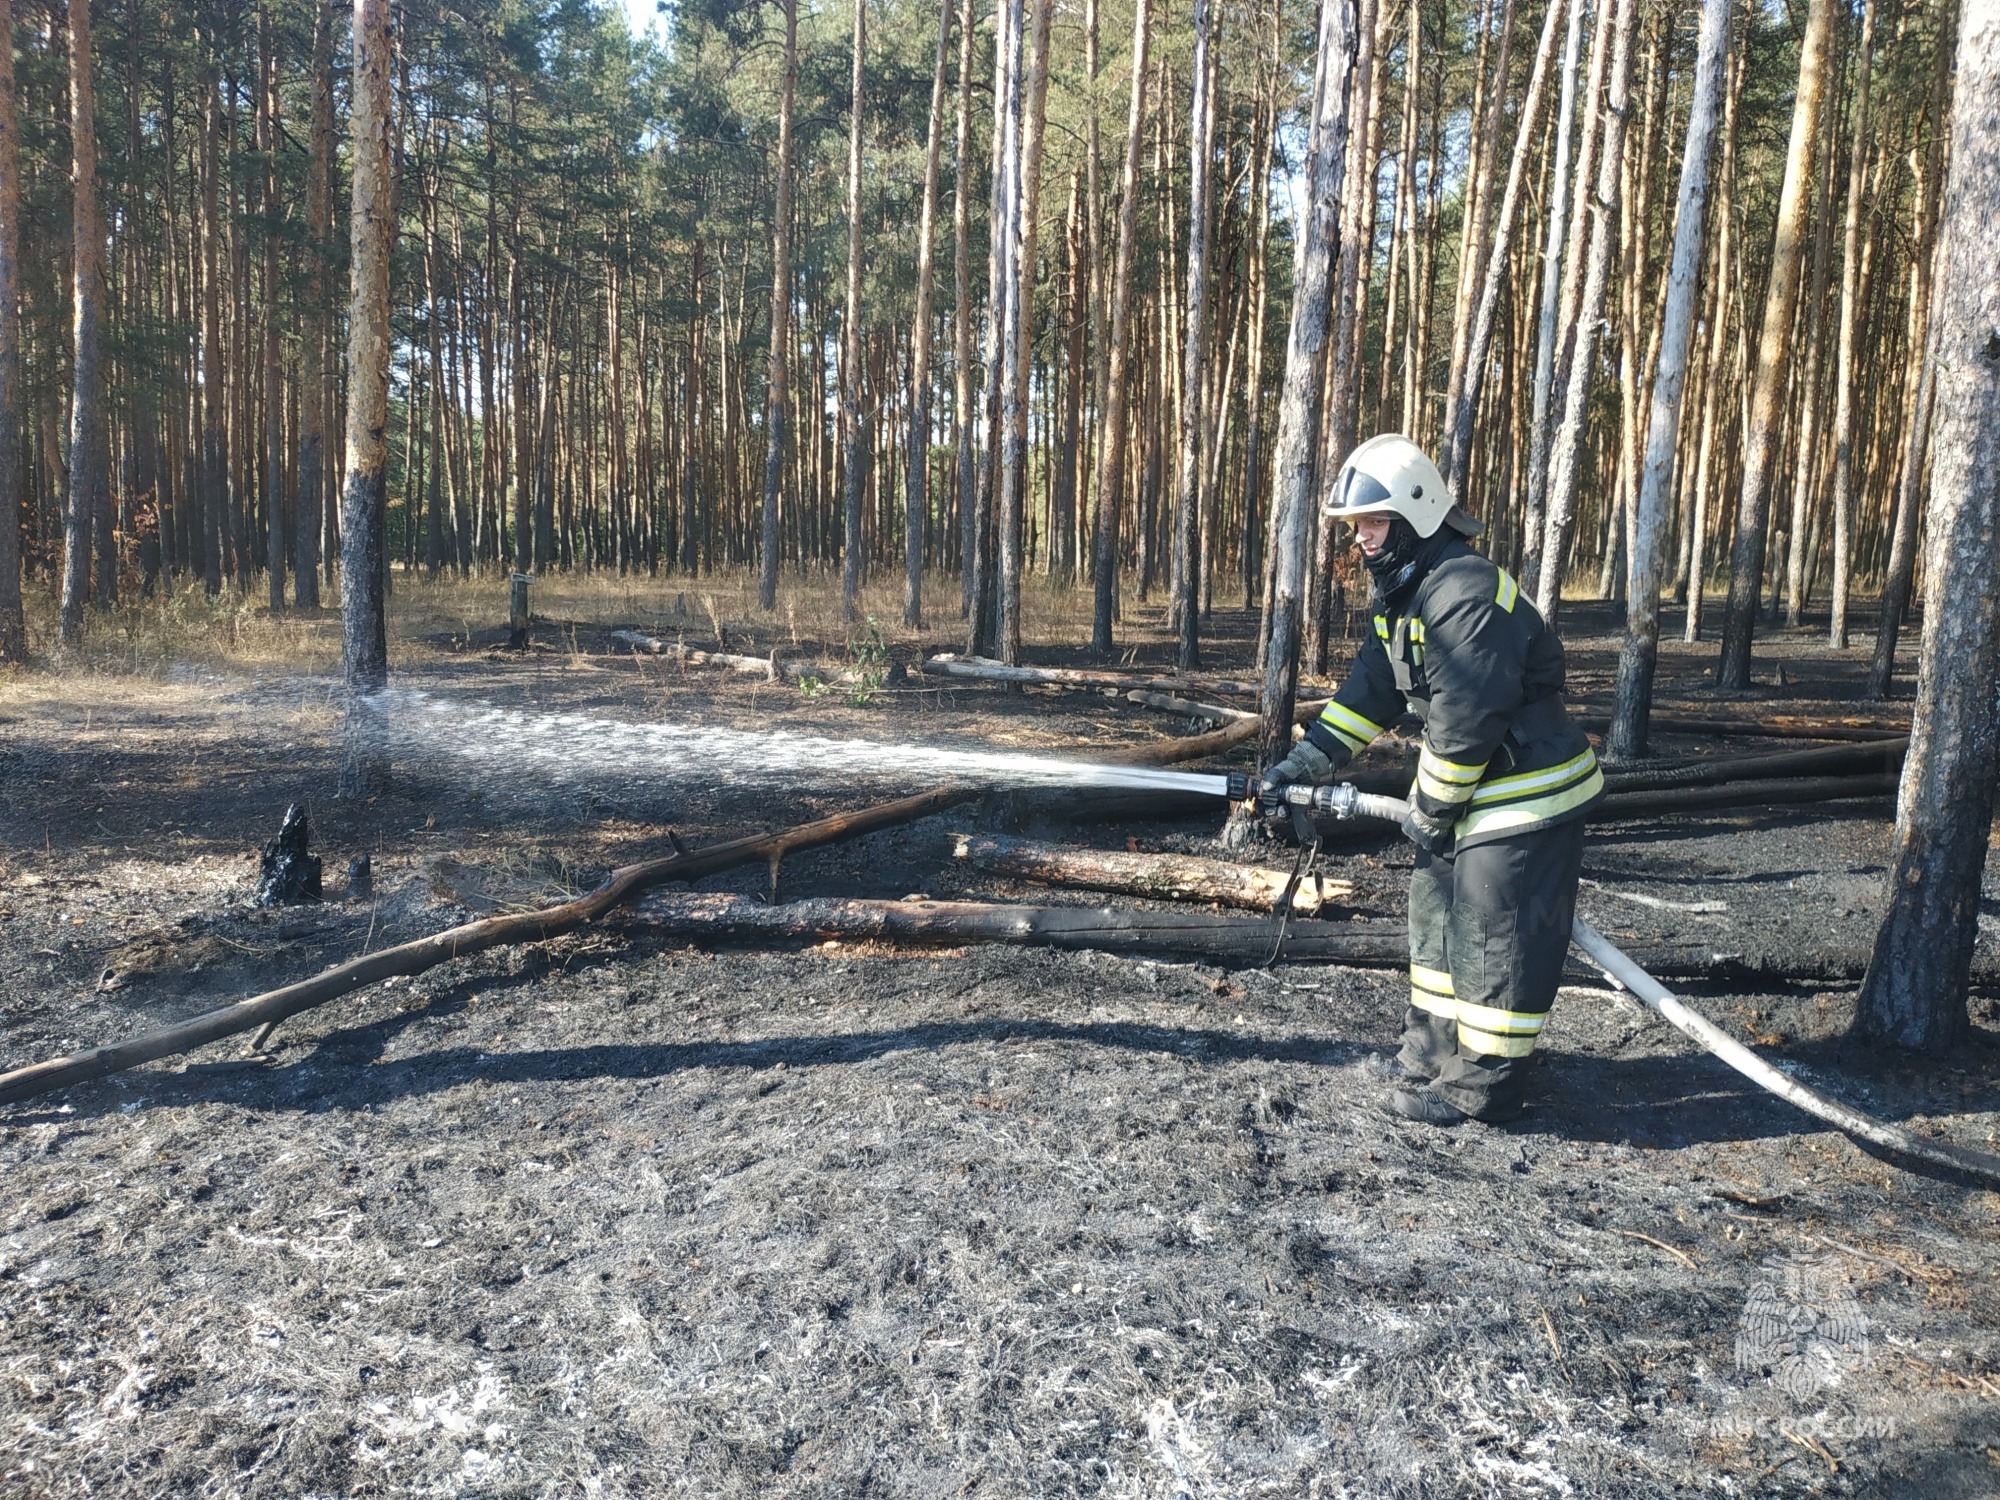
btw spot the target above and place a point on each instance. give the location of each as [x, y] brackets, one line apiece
[1342, 801]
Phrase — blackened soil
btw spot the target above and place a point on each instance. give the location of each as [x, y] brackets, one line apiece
[596, 1217]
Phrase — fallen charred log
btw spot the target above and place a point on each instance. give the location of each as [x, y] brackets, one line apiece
[727, 920]
[1875, 758]
[1161, 877]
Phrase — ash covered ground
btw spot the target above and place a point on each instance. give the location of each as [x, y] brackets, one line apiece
[599, 1217]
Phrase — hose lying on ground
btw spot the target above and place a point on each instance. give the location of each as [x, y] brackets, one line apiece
[1628, 976]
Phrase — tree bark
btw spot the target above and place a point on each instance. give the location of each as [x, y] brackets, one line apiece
[963, 424]
[1899, 580]
[86, 425]
[1850, 317]
[1566, 455]
[1633, 695]
[1159, 877]
[363, 501]
[1915, 992]
[1194, 347]
[1458, 456]
[1295, 454]
[1111, 479]
[13, 623]
[268, 127]
[1553, 260]
[1024, 210]
[917, 462]
[853, 434]
[776, 407]
[1763, 436]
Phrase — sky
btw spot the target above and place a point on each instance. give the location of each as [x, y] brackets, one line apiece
[644, 15]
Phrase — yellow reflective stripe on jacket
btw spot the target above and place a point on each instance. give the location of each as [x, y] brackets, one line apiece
[1353, 730]
[1487, 1044]
[1507, 591]
[1549, 778]
[1382, 626]
[1446, 780]
[1484, 820]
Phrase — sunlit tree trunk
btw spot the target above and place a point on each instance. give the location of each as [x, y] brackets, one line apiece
[1194, 351]
[1850, 316]
[917, 463]
[1111, 450]
[1566, 453]
[274, 388]
[853, 433]
[1458, 456]
[86, 425]
[963, 426]
[1915, 991]
[1294, 483]
[1633, 696]
[775, 391]
[1025, 210]
[1763, 435]
[363, 501]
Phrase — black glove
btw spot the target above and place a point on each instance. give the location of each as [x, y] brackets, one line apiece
[1307, 762]
[1429, 834]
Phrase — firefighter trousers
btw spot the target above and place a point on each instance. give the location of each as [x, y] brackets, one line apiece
[1489, 930]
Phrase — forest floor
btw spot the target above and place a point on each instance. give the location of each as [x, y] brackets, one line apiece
[604, 1217]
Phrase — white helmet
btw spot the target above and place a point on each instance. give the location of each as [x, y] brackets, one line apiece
[1392, 473]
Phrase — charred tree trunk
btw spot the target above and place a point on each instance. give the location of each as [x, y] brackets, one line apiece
[1633, 696]
[1915, 992]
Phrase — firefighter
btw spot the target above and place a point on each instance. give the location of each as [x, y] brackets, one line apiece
[1503, 781]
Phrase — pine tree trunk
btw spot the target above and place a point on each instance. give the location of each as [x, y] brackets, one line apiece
[917, 465]
[1194, 351]
[1633, 695]
[853, 434]
[1566, 453]
[963, 426]
[1294, 484]
[1850, 318]
[86, 426]
[1459, 454]
[1915, 991]
[1025, 205]
[13, 626]
[1111, 476]
[775, 391]
[1764, 434]
[363, 501]
[268, 127]
[1898, 581]
[1556, 258]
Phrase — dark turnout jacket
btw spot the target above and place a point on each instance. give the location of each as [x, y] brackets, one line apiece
[1471, 656]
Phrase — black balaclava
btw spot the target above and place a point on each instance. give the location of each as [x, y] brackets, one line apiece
[1403, 560]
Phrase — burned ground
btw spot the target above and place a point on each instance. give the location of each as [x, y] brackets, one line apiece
[600, 1217]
